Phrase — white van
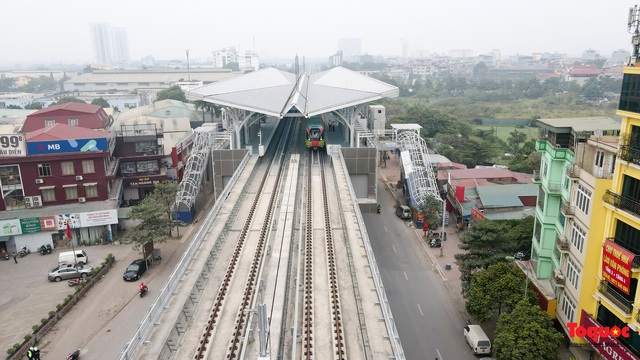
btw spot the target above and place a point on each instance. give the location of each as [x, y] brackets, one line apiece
[71, 257]
[477, 339]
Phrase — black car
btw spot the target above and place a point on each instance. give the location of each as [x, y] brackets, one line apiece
[135, 270]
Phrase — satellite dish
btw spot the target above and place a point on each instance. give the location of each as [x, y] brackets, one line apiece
[598, 133]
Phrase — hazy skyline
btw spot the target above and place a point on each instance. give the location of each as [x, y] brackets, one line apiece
[38, 31]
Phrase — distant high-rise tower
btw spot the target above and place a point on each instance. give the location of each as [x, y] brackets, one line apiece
[351, 48]
[110, 45]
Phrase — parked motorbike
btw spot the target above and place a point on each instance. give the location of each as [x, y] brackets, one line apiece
[24, 251]
[5, 255]
[74, 355]
[45, 249]
[74, 282]
[435, 242]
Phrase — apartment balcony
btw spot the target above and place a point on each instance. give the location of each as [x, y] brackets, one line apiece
[609, 292]
[558, 279]
[536, 177]
[554, 187]
[567, 210]
[629, 153]
[622, 202]
[556, 151]
[572, 171]
[562, 244]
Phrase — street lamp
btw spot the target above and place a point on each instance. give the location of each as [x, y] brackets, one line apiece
[526, 275]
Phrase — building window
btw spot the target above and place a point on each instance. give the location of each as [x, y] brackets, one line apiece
[583, 199]
[87, 167]
[612, 164]
[67, 168]
[49, 122]
[44, 170]
[573, 273]
[630, 93]
[91, 191]
[577, 236]
[48, 194]
[537, 230]
[73, 122]
[541, 199]
[599, 158]
[545, 168]
[71, 192]
[11, 187]
[146, 147]
[568, 307]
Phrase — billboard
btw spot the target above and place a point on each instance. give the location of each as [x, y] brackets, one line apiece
[67, 146]
[12, 145]
[616, 265]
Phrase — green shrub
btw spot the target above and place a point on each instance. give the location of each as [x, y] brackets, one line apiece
[52, 313]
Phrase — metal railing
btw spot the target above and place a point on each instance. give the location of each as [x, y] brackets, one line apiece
[536, 176]
[611, 293]
[394, 337]
[554, 187]
[623, 202]
[156, 310]
[572, 171]
[562, 243]
[567, 210]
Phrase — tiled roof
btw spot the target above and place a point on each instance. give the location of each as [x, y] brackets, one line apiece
[64, 132]
[73, 106]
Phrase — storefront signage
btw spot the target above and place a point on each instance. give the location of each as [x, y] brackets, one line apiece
[477, 215]
[96, 218]
[453, 200]
[48, 223]
[10, 227]
[12, 145]
[604, 344]
[616, 265]
[144, 181]
[67, 146]
[30, 225]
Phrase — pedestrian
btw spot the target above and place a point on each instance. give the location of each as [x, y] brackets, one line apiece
[36, 353]
[14, 257]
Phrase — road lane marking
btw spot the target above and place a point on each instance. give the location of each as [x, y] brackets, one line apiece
[405, 275]
[385, 229]
[394, 248]
[439, 356]
[419, 308]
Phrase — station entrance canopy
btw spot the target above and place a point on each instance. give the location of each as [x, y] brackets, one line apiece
[275, 92]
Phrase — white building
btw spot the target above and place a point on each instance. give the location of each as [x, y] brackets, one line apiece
[110, 45]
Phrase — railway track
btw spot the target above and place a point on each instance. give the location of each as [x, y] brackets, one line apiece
[224, 291]
[314, 285]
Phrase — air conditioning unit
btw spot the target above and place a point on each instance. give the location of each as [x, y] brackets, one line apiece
[81, 199]
[37, 201]
[28, 201]
[39, 181]
[79, 177]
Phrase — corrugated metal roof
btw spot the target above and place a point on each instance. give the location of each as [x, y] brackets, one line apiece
[73, 106]
[153, 76]
[274, 92]
[583, 124]
[64, 132]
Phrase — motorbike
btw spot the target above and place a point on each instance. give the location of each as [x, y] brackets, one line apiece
[74, 355]
[24, 251]
[45, 249]
[435, 242]
[74, 282]
[5, 255]
[143, 292]
[379, 208]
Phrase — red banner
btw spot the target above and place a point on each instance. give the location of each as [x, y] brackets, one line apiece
[477, 215]
[616, 265]
[608, 347]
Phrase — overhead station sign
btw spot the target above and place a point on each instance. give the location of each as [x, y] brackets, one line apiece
[12, 145]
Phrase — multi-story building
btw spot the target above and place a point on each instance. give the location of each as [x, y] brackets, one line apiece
[617, 261]
[561, 196]
[73, 113]
[110, 45]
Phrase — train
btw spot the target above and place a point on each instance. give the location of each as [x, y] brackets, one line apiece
[315, 133]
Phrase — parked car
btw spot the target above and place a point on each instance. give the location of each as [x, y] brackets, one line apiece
[71, 272]
[135, 270]
[403, 212]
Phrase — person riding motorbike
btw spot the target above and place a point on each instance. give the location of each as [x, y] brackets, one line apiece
[379, 208]
[143, 287]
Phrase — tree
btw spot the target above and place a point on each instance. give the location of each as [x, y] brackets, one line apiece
[207, 107]
[233, 66]
[516, 138]
[13, 107]
[33, 106]
[100, 102]
[154, 213]
[526, 333]
[68, 99]
[174, 93]
[498, 288]
[489, 241]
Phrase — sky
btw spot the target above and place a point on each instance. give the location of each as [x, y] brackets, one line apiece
[45, 31]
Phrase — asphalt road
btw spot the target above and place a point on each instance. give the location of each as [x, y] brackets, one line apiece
[429, 324]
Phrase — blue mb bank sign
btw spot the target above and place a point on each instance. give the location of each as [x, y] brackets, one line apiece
[67, 146]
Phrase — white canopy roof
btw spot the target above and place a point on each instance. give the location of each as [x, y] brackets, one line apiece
[274, 92]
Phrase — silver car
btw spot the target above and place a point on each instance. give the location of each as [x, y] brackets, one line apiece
[64, 273]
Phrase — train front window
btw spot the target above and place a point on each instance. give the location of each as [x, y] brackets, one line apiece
[315, 134]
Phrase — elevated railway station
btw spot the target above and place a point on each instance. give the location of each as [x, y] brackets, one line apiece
[281, 266]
